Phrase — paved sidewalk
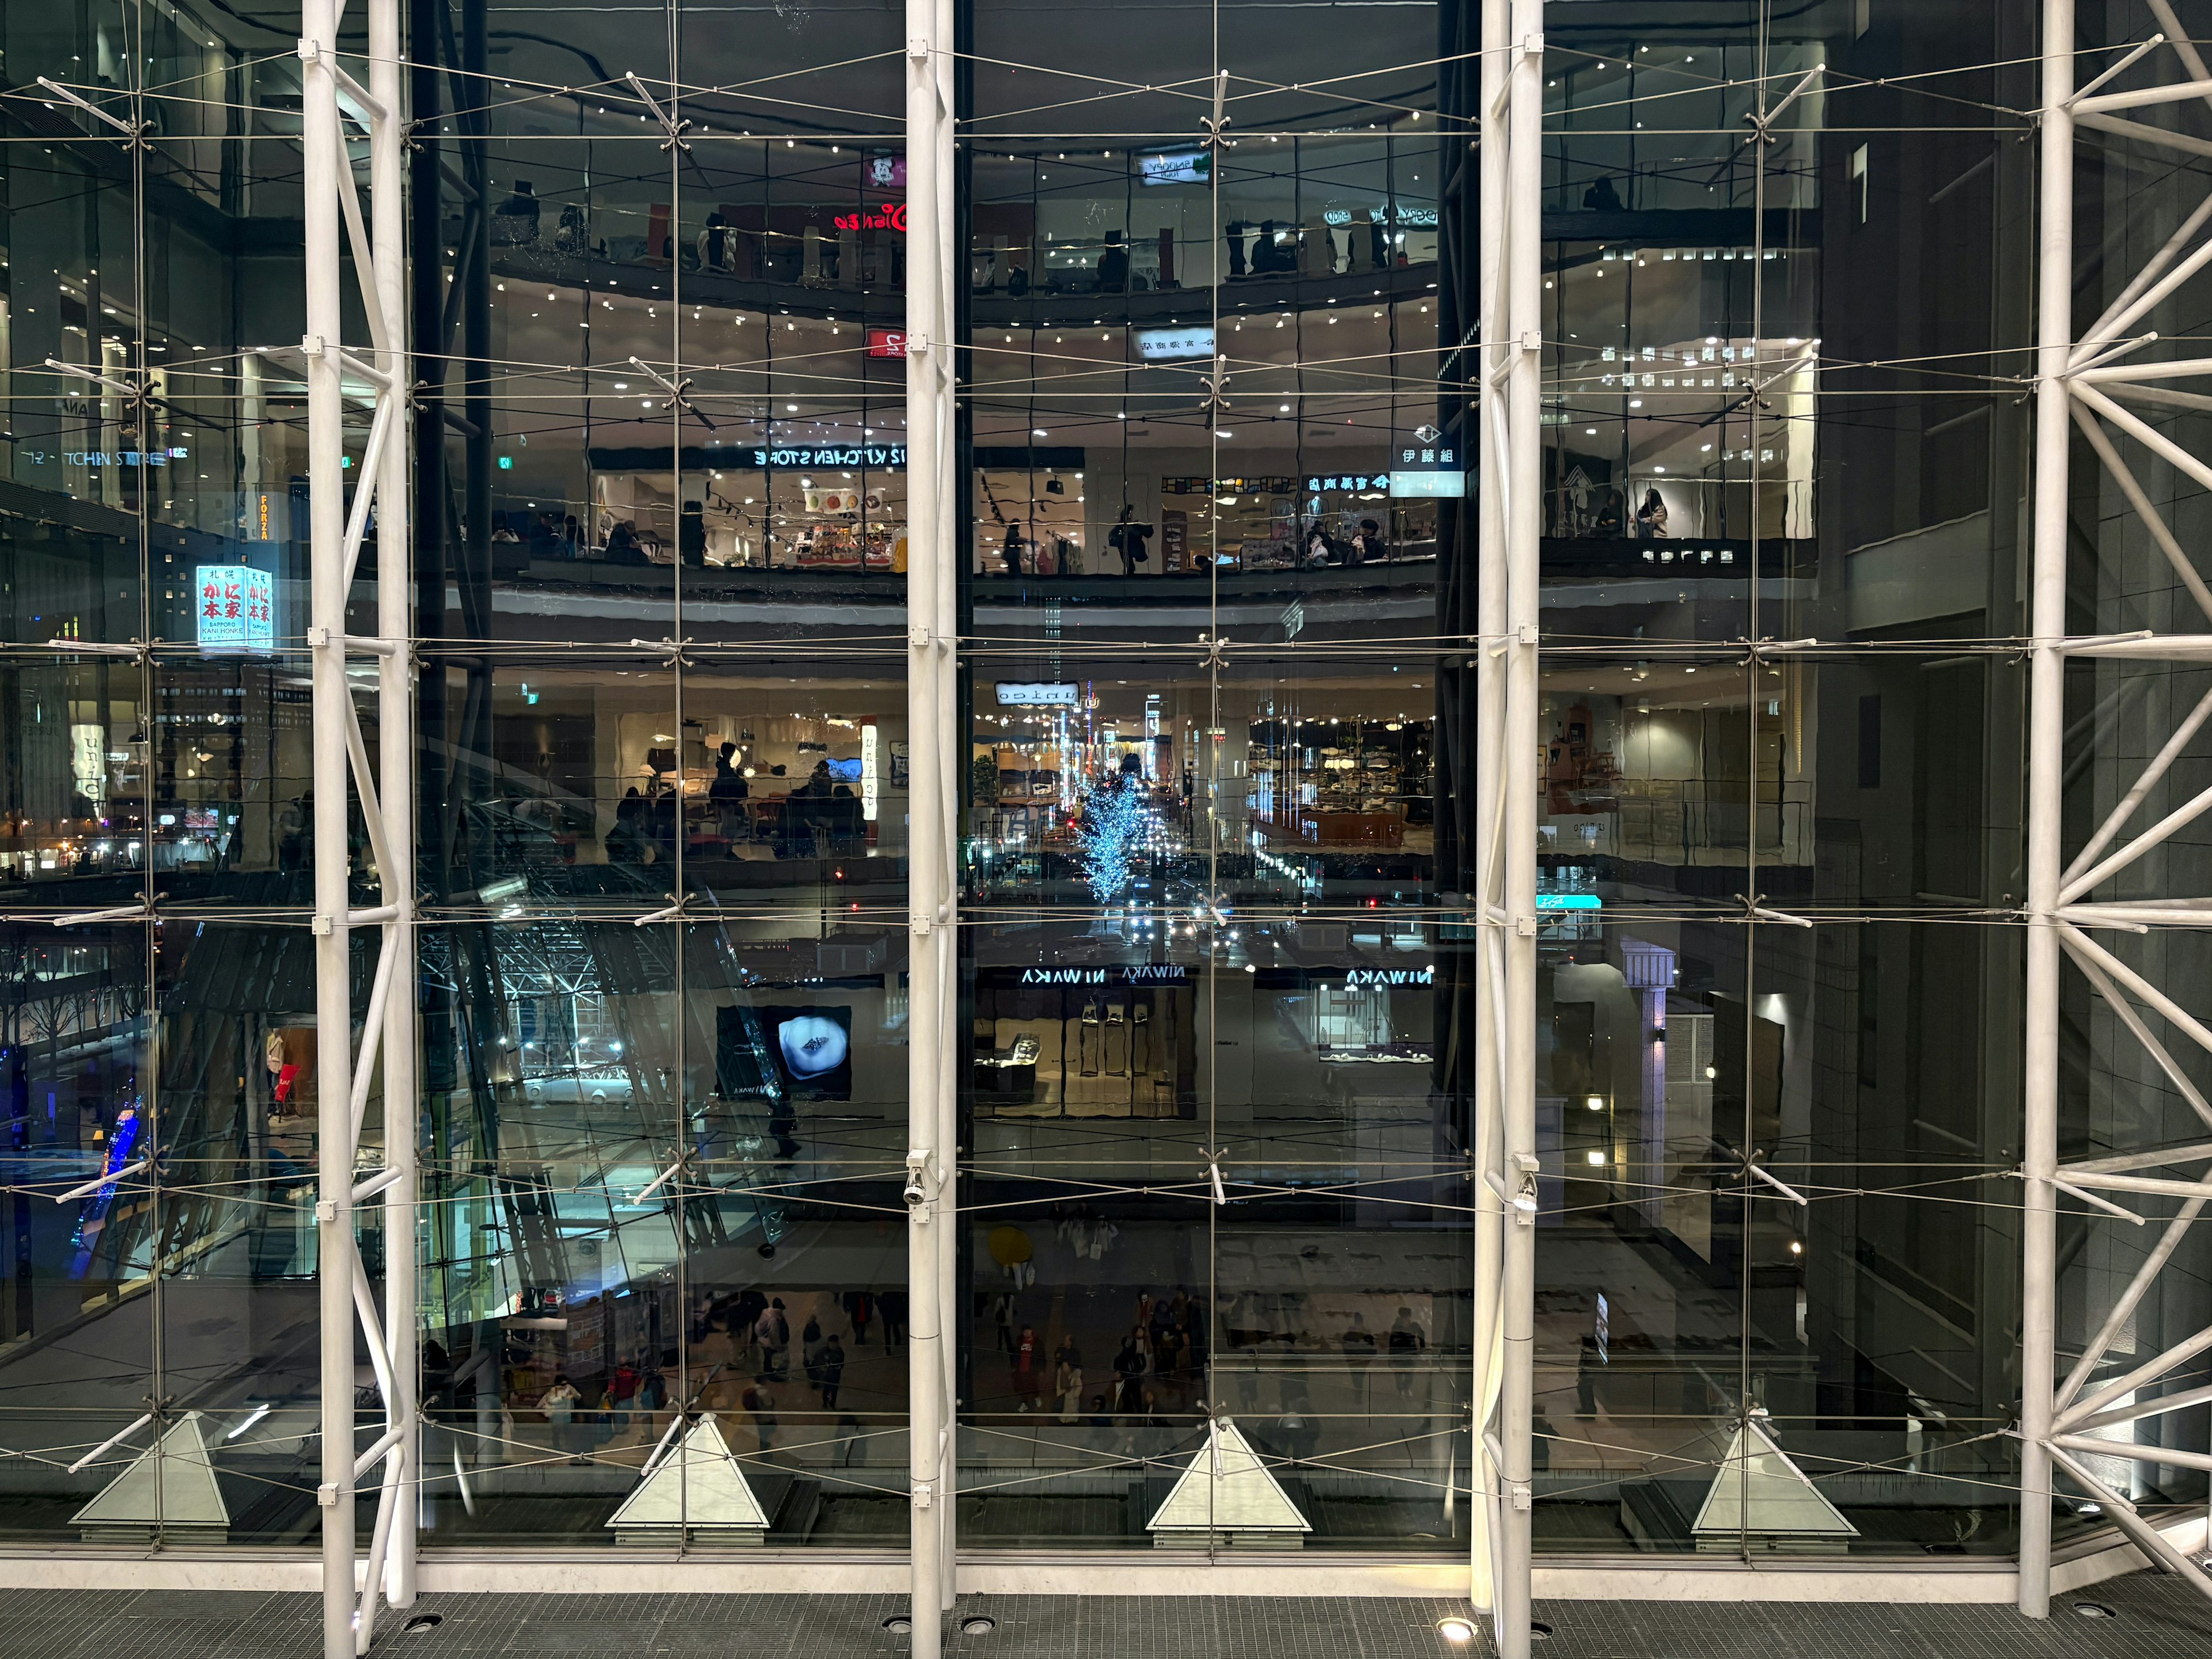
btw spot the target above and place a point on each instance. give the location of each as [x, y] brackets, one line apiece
[2153, 1619]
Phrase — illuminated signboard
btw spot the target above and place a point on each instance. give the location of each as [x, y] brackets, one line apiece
[830, 455]
[1176, 166]
[1568, 901]
[871, 771]
[1021, 695]
[1135, 973]
[891, 215]
[1160, 345]
[1429, 485]
[1382, 214]
[1386, 976]
[887, 342]
[237, 610]
[883, 172]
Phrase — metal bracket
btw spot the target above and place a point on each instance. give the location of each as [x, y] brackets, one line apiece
[669, 124]
[137, 133]
[326, 1209]
[326, 1495]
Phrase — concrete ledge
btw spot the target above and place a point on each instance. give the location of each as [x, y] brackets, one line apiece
[1115, 1572]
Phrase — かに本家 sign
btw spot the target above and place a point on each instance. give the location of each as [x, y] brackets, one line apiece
[237, 610]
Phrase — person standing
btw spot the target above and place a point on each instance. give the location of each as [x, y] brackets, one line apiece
[559, 1404]
[860, 1307]
[1130, 1366]
[1609, 515]
[1026, 1370]
[729, 792]
[1129, 539]
[757, 1400]
[810, 1351]
[829, 1372]
[1067, 1380]
[892, 1305]
[772, 1331]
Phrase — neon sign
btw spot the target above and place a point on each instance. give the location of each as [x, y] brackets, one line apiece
[892, 217]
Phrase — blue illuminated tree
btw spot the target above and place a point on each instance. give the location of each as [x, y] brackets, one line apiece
[1107, 836]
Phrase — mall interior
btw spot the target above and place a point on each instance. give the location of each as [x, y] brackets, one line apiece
[1217, 660]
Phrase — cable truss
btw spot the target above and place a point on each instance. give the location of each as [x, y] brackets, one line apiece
[343, 774]
[2085, 380]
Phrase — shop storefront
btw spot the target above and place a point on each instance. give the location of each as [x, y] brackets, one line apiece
[816, 506]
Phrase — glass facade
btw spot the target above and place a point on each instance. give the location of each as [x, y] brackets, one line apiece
[1218, 464]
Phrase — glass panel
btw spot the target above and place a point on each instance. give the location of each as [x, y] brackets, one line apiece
[76, 1310]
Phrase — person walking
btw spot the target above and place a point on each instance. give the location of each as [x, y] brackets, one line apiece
[1359, 1344]
[1588, 1366]
[1407, 1340]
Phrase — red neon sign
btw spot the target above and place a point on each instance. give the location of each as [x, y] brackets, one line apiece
[886, 343]
[892, 217]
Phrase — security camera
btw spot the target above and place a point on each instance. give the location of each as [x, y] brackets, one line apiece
[916, 1193]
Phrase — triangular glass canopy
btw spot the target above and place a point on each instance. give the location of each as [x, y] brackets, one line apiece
[169, 1487]
[1229, 1495]
[698, 1491]
[1760, 1492]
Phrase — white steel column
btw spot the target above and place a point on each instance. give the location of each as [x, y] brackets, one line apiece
[323, 158]
[1486, 1144]
[2081, 382]
[2054, 331]
[341, 772]
[1509, 528]
[395, 599]
[932, 815]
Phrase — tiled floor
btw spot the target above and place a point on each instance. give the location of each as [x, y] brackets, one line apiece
[2154, 1618]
